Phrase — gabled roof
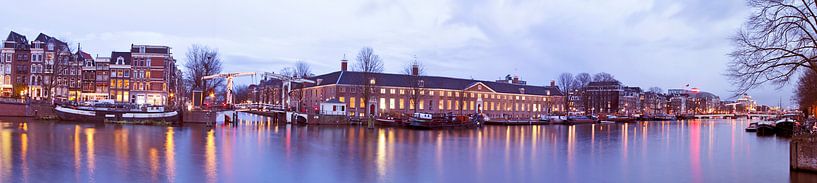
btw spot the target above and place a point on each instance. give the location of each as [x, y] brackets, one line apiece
[84, 56]
[433, 82]
[125, 55]
[48, 39]
[20, 39]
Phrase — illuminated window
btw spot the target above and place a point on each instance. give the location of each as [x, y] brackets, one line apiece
[362, 103]
[402, 103]
[411, 104]
[382, 91]
[421, 104]
[342, 99]
[391, 103]
[449, 104]
[392, 91]
[457, 105]
[472, 105]
[382, 103]
[352, 102]
[402, 92]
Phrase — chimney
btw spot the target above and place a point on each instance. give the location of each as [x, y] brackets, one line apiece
[552, 83]
[415, 70]
[344, 64]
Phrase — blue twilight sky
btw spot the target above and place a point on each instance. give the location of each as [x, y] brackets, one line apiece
[664, 43]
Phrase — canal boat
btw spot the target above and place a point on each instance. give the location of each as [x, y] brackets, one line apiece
[106, 114]
[580, 119]
[439, 121]
[752, 127]
[553, 119]
[785, 126]
[620, 119]
[390, 121]
[765, 128]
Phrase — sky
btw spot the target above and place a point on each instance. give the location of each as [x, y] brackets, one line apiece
[645, 43]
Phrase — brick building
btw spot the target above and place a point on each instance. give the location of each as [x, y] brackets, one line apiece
[153, 68]
[392, 95]
[147, 74]
[610, 97]
[120, 70]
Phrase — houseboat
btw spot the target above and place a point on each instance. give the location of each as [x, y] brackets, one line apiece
[113, 113]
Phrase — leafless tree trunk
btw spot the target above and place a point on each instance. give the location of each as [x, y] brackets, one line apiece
[806, 92]
[302, 69]
[59, 70]
[368, 63]
[567, 83]
[416, 82]
[776, 42]
[202, 61]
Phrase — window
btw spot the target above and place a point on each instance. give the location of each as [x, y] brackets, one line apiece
[391, 102]
[362, 103]
[147, 62]
[421, 104]
[402, 102]
[342, 99]
[120, 60]
[352, 102]
[392, 91]
[411, 104]
[382, 91]
[382, 103]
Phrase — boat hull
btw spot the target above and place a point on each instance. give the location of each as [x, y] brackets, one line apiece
[82, 115]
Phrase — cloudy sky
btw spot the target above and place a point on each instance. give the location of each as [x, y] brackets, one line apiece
[664, 43]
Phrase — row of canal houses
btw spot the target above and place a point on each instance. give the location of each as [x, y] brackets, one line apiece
[48, 68]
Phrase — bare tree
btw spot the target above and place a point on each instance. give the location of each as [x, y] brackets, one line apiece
[583, 79]
[242, 93]
[416, 82]
[806, 92]
[567, 83]
[59, 65]
[302, 69]
[202, 61]
[604, 77]
[656, 90]
[368, 63]
[776, 42]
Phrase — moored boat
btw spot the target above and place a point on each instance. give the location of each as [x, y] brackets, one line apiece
[785, 126]
[101, 114]
[765, 128]
[581, 119]
[752, 127]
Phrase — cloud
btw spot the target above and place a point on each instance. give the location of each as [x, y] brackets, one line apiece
[644, 43]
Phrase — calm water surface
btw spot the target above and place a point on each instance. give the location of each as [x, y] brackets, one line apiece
[257, 151]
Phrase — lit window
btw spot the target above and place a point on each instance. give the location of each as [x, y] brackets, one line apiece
[402, 103]
[352, 102]
[382, 103]
[342, 99]
[391, 103]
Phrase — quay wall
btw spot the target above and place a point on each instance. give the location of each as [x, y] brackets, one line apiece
[803, 153]
[199, 116]
[25, 110]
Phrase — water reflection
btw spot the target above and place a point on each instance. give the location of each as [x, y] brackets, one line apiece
[257, 149]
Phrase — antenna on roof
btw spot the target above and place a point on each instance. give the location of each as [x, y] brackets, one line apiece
[344, 56]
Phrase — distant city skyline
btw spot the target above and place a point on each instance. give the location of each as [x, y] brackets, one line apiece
[643, 43]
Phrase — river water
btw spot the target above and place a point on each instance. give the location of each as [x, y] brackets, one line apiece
[256, 151]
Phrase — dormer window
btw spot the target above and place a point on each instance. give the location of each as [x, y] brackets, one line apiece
[50, 46]
[421, 83]
[522, 90]
[142, 49]
[120, 61]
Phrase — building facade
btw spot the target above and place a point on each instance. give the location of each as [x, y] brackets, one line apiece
[153, 67]
[610, 97]
[147, 74]
[401, 94]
